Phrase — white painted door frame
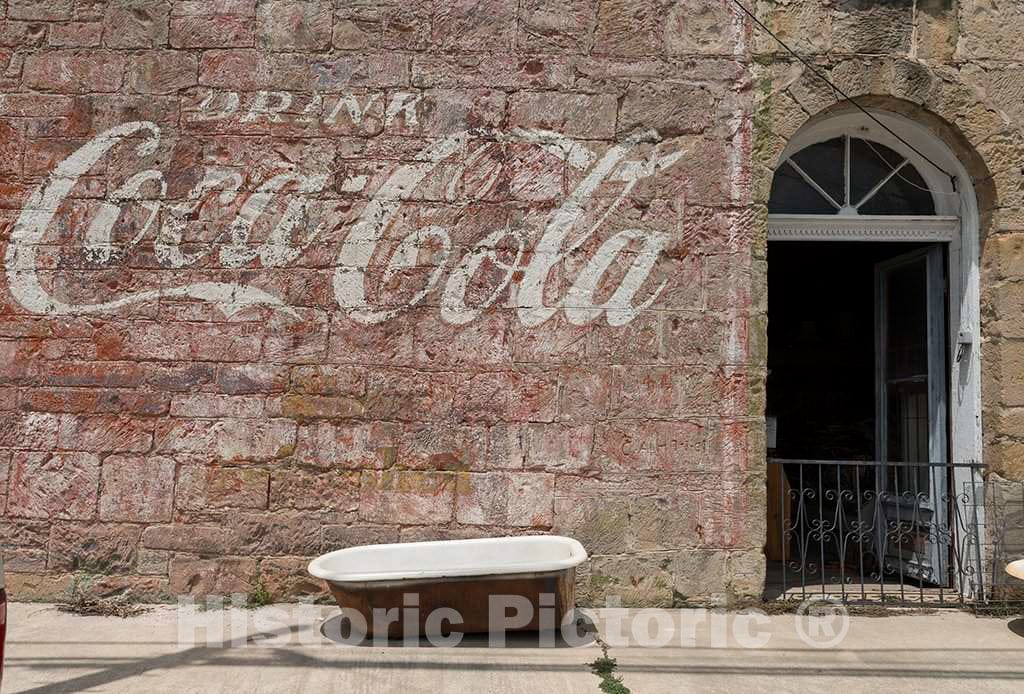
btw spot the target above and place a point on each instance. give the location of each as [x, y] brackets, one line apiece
[956, 222]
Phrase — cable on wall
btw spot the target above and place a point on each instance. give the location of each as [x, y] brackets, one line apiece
[824, 78]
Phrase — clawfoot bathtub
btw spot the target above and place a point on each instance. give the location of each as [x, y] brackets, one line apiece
[532, 575]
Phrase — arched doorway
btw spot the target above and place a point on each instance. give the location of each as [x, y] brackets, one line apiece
[873, 407]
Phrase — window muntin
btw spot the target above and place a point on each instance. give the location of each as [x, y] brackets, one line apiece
[849, 176]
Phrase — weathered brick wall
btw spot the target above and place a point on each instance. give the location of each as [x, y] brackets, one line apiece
[282, 277]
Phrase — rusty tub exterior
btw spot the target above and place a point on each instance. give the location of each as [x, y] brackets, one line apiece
[468, 586]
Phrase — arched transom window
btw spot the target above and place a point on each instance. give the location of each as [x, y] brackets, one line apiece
[849, 176]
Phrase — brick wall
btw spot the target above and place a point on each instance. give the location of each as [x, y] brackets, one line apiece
[283, 277]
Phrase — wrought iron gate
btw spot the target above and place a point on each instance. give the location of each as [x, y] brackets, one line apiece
[868, 531]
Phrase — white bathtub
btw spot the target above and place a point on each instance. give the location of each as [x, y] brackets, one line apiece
[458, 574]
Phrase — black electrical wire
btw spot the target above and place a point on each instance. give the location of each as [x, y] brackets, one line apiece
[839, 91]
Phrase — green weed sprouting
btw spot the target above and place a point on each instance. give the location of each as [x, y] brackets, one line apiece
[604, 667]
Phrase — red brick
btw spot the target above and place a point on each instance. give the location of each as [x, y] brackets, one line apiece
[550, 28]
[553, 342]
[728, 284]
[294, 533]
[351, 343]
[137, 488]
[152, 562]
[328, 380]
[486, 342]
[303, 407]
[351, 446]
[189, 341]
[227, 439]
[287, 577]
[214, 31]
[235, 69]
[532, 397]
[201, 487]
[110, 110]
[474, 70]
[558, 448]
[105, 434]
[22, 34]
[136, 23]
[190, 8]
[214, 405]
[93, 547]
[671, 109]
[325, 490]
[12, 145]
[275, 71]
[75, 71]
[409, 497]
[650, 446]
[662, 392]
[701, 338]
[342, 536]
[47, 10]
[41, 156]
[355, 30]
[13, 195]
[629, 28]
[27, 534]
[585, 395]
[400, 26]
[506, 446]
[587, 116]
[162, 72]
[239, 446]
[31, 431]
[481, 397]
[5, 473]
[221, 576]
[252, 378]
[428, 533]
[76, 34]
[443, 446]
[370, 70]
[408, 396]
[62, 485]
[443, 111]
[35, 105]
[505, 499]
[105, 374]
[186, 377]
[474, 25]
[204, 539]
[302, 25]
[24, 561]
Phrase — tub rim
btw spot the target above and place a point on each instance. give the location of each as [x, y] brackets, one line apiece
[577, 555]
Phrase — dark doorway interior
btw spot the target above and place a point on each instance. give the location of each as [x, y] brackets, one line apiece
[821, 347]
[855, 333]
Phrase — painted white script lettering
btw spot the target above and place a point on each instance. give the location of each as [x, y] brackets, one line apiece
[284, 201]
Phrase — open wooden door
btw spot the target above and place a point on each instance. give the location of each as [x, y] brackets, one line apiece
[911, 415]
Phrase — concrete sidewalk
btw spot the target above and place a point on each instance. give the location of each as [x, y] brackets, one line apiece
[282, 649]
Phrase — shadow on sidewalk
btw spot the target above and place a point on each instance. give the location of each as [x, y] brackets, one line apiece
[334, 629]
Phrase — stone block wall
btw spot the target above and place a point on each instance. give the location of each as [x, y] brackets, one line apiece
[286, 276]
[954, 66]
[282, 277]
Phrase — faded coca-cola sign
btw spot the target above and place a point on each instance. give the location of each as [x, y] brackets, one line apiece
[293, 217]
